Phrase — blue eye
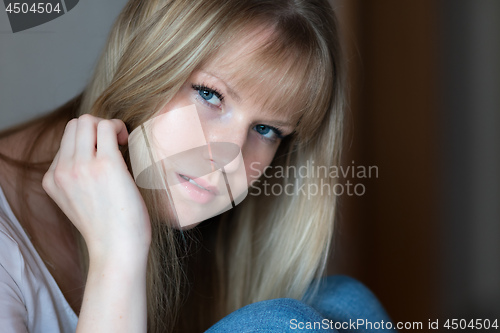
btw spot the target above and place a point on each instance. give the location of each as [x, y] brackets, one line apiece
[206, 94]
[268, 132]
[211, 96]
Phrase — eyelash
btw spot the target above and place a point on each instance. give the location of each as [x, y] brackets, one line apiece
[202, 87]
[277, 132]
[220, 96]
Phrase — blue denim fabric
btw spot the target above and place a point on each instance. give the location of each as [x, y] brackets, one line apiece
[346, 300]
[272, 316]
[340, 300]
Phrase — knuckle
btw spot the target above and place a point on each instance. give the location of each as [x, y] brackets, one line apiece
[47, 181]
[59, 176]
[118, 121]
[71, 123]
[63, 174]
[87, 118]
[105, 124]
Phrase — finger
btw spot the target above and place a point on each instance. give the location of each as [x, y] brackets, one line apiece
[67, 148]
[122, 135]
[86, 136]
[110, 133]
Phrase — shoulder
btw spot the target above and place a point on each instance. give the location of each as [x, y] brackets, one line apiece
[11, 258]
[13, 311]
[7, 238]
[26, 285]
[11, 267]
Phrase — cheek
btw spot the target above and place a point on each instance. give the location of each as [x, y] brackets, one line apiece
[256, 163]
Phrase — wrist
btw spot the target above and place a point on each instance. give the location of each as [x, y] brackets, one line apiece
[119, 257]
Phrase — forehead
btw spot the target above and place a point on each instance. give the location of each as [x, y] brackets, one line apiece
[255, 68]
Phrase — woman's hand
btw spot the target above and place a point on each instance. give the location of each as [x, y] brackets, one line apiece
[90, 182]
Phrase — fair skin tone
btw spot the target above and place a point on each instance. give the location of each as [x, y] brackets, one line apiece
[90, 183]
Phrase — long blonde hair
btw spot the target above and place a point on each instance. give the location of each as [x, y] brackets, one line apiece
[268, 246]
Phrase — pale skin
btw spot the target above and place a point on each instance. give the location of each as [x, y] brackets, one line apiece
[90, 183]
[116, 229]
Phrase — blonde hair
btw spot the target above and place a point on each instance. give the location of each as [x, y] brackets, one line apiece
[268, 246]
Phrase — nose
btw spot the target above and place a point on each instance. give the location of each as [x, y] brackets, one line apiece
[235, 135]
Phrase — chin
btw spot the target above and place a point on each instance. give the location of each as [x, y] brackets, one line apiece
[189, 226]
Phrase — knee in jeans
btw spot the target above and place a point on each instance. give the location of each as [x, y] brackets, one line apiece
[341, 298]
[342, 286]
[288, 308]
[276, 315]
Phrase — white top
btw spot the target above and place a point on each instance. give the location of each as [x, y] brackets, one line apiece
[30, 299]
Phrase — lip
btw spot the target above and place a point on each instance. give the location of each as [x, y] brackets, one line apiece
[196, 193]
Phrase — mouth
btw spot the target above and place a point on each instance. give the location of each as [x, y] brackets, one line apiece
[193, 182]
[199, 183]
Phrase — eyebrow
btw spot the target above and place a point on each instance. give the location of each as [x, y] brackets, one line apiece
[279, 123]
[234, 95]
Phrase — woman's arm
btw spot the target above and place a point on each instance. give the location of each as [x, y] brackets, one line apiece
[90, 182]
[115, 295]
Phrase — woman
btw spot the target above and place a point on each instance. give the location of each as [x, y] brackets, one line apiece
[263, 75]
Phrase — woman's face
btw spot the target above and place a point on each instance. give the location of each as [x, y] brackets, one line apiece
[228, 114]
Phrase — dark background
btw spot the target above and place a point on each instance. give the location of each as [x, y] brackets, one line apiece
[424, 108]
